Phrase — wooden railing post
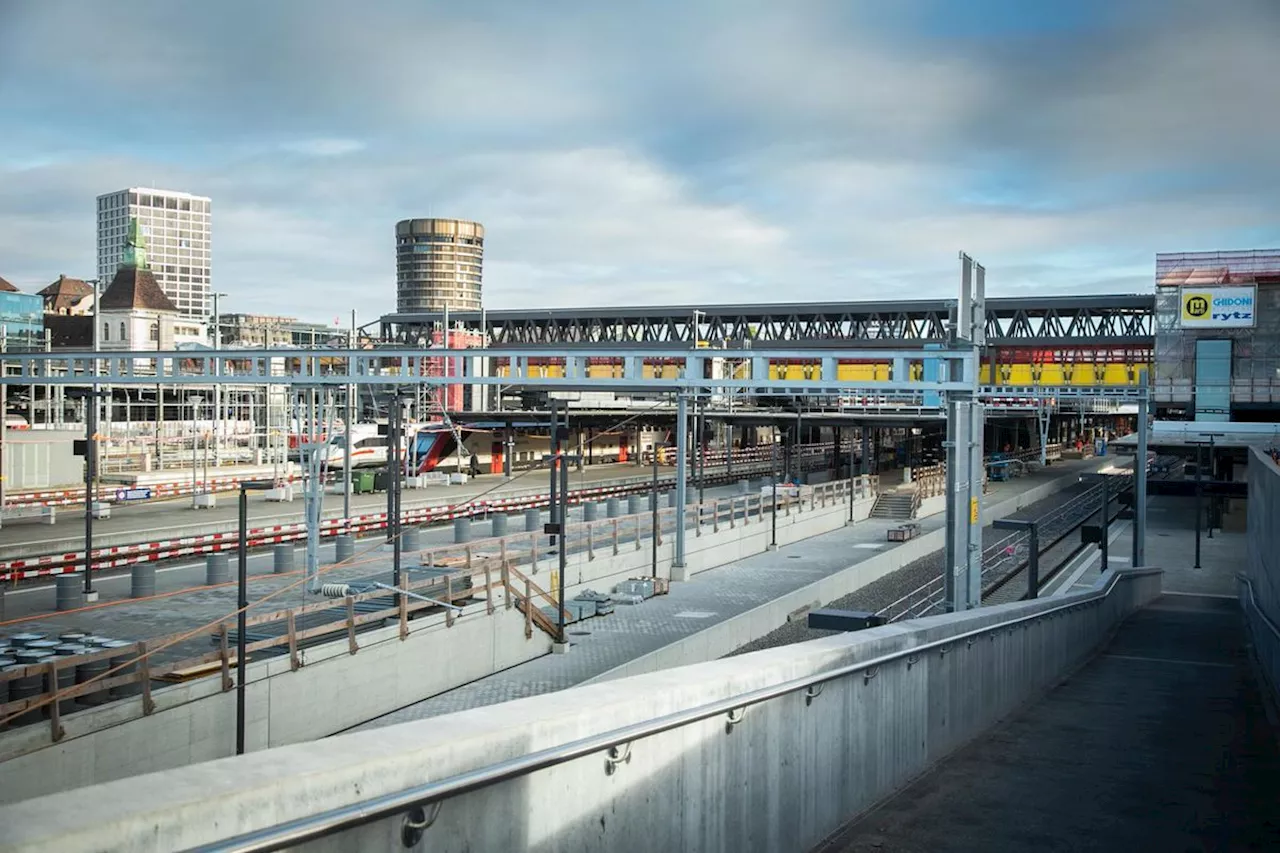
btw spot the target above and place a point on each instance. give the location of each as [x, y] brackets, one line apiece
[144, 675]
[448, 597]
[55, 716]
[488, 588]
[528, 610]
[615, 537]
[294, 663]
[591, 542]
[506, 584]
[351, 626]
[402, 604]
[533, 551]
[226, 659]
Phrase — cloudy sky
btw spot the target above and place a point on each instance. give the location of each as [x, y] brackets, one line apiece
[649, 152]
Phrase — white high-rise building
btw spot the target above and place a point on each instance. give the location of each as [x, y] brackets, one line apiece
[177, 226]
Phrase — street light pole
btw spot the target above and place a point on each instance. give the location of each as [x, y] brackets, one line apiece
[653, 510]
[773, 516]
[242, 565]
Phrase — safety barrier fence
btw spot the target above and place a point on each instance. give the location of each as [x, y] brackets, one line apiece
[460, 569]
[121, 556]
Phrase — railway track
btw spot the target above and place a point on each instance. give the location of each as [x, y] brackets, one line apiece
[1006, 560]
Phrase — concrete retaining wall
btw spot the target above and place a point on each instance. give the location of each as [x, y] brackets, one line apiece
[1263, 570]
[332, 691]
[789, 773]
[736, 631]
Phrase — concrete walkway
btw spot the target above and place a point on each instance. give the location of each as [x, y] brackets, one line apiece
[710, 597]
[1160, 743]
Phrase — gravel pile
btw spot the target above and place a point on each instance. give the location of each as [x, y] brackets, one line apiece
[883, 592]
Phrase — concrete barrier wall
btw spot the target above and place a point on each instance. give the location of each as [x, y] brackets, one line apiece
[729, 634]
[1263, 569]
[787, 774]
[333, 690]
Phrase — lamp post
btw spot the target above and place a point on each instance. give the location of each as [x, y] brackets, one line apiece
[218, 433]
[90, 479]
[653, 509]
[195, 400]
[773, 515]
[242, 553]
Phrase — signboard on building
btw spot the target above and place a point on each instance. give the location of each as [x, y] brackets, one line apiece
[139, 493]
[1218, 307]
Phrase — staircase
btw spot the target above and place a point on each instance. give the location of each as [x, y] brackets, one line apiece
[895, 506]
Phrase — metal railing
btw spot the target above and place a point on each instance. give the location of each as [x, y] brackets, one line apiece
[616, 743]
[1007, 556]
[464, 564]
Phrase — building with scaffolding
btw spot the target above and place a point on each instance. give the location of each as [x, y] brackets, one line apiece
[1217, 336]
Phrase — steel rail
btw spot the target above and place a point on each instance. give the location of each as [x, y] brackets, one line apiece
[367, 811]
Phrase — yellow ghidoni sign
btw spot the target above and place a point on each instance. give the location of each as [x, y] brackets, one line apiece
[973, 510]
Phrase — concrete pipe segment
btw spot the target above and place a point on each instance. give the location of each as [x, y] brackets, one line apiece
[282, 558]
[217, 569]
[462, 530]
[590, 511]
[613, 508]
[344, 547]
[411, 539]
[143, 580]
[635, 504]
[498, 525]
[69, 595]
[532, 520]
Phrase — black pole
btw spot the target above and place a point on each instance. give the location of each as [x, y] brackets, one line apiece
[1199, 497]
[1033, 562]
[1213, 501]
[242, 554]
[653, 511]
[1106, 499]
[773, 516]
[851, 474]
[553, 507]
[393, 487]
[564, 527]
[701, 423]
[90, 475]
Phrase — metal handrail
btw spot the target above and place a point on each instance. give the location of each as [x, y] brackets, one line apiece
[357, 814]
[1253, 600]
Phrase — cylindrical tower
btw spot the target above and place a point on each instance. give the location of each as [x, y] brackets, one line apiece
[438, 264]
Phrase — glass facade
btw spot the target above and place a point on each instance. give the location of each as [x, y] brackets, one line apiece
[178, 227]
[1250, 378]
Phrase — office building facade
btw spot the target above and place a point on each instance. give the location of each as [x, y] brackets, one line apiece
[439, 265]
[178, 229]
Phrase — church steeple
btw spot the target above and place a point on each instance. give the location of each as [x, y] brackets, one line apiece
[135, 247]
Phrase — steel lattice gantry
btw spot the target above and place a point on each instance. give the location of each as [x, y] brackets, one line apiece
[1054, 321]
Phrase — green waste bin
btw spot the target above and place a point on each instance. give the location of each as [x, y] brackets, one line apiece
[362, 482]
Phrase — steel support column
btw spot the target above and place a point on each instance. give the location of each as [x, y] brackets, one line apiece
[682, 475]
[1140, 490]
